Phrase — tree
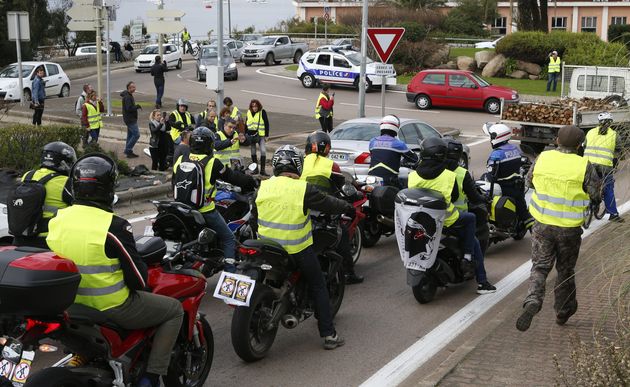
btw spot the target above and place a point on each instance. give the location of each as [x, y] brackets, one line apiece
[419, 4]
[469, 17]
[38, 15]
[532, 16]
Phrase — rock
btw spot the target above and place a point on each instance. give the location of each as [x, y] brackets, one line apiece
[533, 77]
[438, 57]
[519, 74]
[530, 68]
[483, 57]
[466, 63]
[495, 67]
[451, 65]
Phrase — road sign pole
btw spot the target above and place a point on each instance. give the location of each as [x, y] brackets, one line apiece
[326, 30]
[364, 25]
[220, 52]
[108, 99]
[384, 81]
[18, 47]
[315, 21]
[99, 54]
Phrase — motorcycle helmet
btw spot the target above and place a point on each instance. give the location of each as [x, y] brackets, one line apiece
[201, 141]
[455, 150]
[605, 119]
[390, 123]
[94, 178]
[433, 148]
[59, 157]
[287, 159]
[499, 133]
[182, 102]
[318, 142]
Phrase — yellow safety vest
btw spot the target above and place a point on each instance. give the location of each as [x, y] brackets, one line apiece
[442, 184]
[462, 201]
[79, 233]
[94, 116]
[281, 217]
[185, 36]
[600, 149]
[54, 193]
[317, 170]
[234, 113]
[559, 198]
[187, 121]
[255, 123]
[318, 107]
[233, 151]
[554, 66]
[209, 192]
[204, 114]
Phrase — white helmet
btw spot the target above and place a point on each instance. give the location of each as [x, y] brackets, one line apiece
[499, 133]
[391, 123]
[604, 116]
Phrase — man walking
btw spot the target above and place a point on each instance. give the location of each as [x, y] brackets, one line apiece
[130, 117]
[553, 70]
[563, 183]
[38, 95]
[186, 41]
[157, 70]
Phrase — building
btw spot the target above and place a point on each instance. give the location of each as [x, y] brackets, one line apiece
[575, 16]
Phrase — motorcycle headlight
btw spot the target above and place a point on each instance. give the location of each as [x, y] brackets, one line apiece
[232, 65]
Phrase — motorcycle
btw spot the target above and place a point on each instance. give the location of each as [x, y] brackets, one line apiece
[378, 209]
[111, 355]
[235, 207]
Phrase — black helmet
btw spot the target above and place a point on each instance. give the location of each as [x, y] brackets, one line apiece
[455, 150]
[201, 141]
[94, 178]
[59, 157]
[318, 142]
[287, 159]
[433, 148]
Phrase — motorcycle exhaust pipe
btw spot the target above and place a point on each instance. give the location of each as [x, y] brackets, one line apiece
[289, 321]
[386, 221]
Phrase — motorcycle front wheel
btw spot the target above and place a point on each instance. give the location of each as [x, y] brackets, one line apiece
[356, 244]
[252, 337]
[193, 374]
[425, 291]
[55, 377]
[335, 281]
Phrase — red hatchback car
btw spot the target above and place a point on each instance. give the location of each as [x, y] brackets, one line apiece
[457, 88]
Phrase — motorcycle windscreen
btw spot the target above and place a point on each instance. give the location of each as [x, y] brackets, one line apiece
[418, 231]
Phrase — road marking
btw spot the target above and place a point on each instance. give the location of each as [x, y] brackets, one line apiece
[392, 108]
[179, 75]
[482, 141]
[260, 71]
[273, 95]
[405, 364]
[141, 218]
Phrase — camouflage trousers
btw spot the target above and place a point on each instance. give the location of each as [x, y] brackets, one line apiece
[559, 245]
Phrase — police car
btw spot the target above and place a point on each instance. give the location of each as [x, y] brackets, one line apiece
[339, 67]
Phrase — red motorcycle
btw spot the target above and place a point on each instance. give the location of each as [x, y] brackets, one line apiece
[41, 288]
[358, 198]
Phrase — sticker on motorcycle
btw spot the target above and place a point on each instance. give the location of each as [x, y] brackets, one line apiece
[6, 368]
[23, 368]
[235, 289]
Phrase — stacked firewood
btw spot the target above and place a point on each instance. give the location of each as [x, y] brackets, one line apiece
[559, 112]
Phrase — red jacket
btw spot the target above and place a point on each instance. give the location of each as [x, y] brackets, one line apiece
[327, 104]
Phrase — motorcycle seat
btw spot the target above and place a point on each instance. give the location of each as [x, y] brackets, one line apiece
[91, 316]
[266, 245]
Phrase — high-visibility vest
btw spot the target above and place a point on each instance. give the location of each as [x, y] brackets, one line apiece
[54, 194]
[204, 114]
[462, 201]
[233, 151]
[317, 170]
[255, 123]
[281, 217]
[209, 192]
[554, 65]
[600, 149]
[186, 119]
[234, 114]
[442, 184]
[94, 116]
[78, 233]
[318, 107]
[185, 36]
[559, 198]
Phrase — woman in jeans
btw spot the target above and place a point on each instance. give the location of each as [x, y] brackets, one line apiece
[258, 132]
[158, 143]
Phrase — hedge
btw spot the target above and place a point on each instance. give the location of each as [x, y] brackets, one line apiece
[619, 33]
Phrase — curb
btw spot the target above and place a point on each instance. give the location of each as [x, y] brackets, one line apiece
[128, 196]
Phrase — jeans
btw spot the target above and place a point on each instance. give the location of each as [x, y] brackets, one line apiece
[159, 89]
[133, 134]
[609, 194]
[215, 221]
[312, 272]
[465, 227]
[260, 140]
[553, 78]
[37, 114]
[188, 47]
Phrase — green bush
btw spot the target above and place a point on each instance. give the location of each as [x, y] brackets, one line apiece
[21, 145]
[409, 56]
[598, 54]
[414, 31]
[123, 167]
[619, 33]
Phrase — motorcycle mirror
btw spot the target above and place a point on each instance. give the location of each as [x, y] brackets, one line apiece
[349, 190]
[252, 167]
[485, 128]
[206, 236]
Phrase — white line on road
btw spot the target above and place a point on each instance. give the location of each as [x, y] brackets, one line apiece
[141, 218]
[482, 141]
[260, 71]
[402, 366]
[273, 95]
[392, 108]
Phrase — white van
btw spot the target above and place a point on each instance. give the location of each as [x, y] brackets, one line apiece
[599, 82]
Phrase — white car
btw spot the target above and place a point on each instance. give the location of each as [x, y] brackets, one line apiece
[172, 56]
[492, 44]
[5, 238]
[57, 82]
[340, 67]
[88, 50]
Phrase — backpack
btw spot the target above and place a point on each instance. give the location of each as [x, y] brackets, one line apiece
[25, 206]
[189, 182]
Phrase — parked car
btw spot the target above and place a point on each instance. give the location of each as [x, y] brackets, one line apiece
[341, 44]
[88, 50]
[492, 44]
[209, 57]
[250, 38]
[350, 142]
[340, 67]
[235, 46]
[57, 82]
[172, 56]
[457, 88]
[5, 237]
[272, 49]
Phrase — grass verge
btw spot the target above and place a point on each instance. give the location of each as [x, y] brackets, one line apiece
[292, 67]
[116, 103]
[526, 86]
[454, 52]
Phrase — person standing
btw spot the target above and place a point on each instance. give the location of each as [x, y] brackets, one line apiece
[228, 143]
[553, 70]
[258, 132]
[563, 184]
[183, 148]
[91, 118]
[130, 117]
[224, 115]
[186, 41]
[38, 95]
[324, 109]
[157, 71]
[158, 142]
[117, 52]
[78, 106]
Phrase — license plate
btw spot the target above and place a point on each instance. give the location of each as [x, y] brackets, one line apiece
[235, 289]
[338, 156]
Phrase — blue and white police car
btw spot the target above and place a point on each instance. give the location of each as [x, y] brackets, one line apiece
[339, 67]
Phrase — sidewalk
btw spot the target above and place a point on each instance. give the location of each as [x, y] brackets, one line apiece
[508, 357]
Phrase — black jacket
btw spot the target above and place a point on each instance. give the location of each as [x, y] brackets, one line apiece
[469, 186]
[158, 133]
[129, 108]
[157, 70]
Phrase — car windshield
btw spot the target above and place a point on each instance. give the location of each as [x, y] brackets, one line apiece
[211, 52]
[356, 131]
[482, 82]
[265, 42]
[355, 59]
[150, 50]
[12, 71]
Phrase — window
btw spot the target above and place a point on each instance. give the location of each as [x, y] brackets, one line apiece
[324, 60]
[409, 134]
[339, 61]
[458, 80]
[600, 83]
[51, 69]
[434, 79]
[310, 58]
[500, 25]
[559, 23]
[231, 45]
[239, 44]
[589, 23]
[283, 40]
[618, 20]
[426, 131]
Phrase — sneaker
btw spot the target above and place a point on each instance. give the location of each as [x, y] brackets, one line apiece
[468, 269]
[131, 155]
[525, 320]
[334, 341]
[616, 218]
[485, 288]
[352, 279]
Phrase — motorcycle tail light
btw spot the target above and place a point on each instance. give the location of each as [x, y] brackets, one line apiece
[247, 251]
[47, 326]
[363, 158]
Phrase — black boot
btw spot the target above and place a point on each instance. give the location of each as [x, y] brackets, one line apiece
[262, 166]
[352, 278]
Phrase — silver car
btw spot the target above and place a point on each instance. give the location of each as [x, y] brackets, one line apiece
[350, 142]
[208, 57]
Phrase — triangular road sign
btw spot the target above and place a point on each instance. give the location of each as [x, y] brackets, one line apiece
[385, 40]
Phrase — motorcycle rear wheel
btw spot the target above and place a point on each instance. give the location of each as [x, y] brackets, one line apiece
[372, 231]
[251, 338]
[178, 375]
[55, 377]
[425, 291]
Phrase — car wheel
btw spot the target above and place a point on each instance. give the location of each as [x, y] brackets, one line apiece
[235, 76]
[27, 95]
[65, 90]
[247, 63]
[368, 84]
[492, 106]
[269, 59]
[297, 57]
[423, 102]
[179, 64]
[308, 81]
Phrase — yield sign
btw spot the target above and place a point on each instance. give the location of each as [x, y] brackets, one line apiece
[385, 40]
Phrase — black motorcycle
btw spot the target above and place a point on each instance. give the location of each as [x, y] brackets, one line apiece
[379, 210]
